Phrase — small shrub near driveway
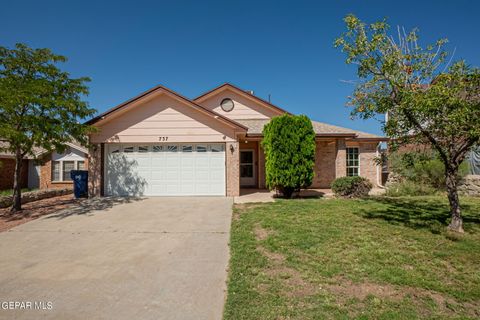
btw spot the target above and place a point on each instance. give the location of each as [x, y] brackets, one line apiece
[351, 187]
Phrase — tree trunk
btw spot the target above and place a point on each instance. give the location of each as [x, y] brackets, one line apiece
[17, 178]
[287, 192]
[451, 179]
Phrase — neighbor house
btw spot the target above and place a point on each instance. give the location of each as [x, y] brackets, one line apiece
[43, 170]
[161, 143]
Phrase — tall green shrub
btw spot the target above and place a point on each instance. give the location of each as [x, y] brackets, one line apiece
[289, 144]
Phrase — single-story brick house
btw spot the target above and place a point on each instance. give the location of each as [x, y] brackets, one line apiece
[44, 170]
[161, 143]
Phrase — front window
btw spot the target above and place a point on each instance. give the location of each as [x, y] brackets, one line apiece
[201, 148]
[353, 162]
[216, 147]
[187, 148]
[56, 171]
[80, 165]
[67, 167]
[61, 169]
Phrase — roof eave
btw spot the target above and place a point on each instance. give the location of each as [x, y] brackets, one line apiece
[380, 139]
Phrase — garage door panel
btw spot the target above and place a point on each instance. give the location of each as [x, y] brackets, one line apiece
[172, 161]
[217, 162]
[202, 162]
[157, 175]
[143, 162]
[165, 169]
[202, 175]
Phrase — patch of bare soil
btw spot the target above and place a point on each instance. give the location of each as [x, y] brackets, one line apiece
[261, 233]
[344, 289]
[34, 210]
[295, 285]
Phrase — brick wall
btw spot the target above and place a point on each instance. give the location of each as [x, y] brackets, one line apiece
[368, 168]
[233, 169]
[341, 159]
[330, 162]
[46, 176]
[45, 181]
[325, 159]
[7, 172]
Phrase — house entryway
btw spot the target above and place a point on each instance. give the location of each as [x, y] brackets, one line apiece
[247, 168]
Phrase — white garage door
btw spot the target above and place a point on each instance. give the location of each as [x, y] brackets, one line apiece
[164, 169]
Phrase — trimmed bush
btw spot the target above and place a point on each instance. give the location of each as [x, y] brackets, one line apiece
[289, 144]
[351, 187]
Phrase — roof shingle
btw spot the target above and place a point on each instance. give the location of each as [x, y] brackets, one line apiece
[255, 127]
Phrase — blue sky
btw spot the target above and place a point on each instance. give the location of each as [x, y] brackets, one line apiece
[282, 48]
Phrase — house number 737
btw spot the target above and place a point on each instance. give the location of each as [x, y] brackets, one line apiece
[162, 138]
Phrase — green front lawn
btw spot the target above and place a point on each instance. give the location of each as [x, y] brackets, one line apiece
[381, 258]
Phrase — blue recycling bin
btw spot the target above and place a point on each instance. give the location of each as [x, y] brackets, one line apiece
[80, 183]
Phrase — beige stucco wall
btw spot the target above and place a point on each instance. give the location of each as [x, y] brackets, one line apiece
[162, 116]
[244, 108]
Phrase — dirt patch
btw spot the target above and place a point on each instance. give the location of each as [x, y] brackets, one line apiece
[272, 256]
[261, 233]
[294, 284]
[344, 290]
[348, 289]
[34, 210]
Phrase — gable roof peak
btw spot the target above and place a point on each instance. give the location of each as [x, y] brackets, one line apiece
[171, 92]
[235, 88]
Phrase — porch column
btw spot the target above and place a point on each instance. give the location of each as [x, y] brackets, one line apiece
[233, 168]
[341, 159]
[95, 170]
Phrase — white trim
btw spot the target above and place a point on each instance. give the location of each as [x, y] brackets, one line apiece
[71, 145]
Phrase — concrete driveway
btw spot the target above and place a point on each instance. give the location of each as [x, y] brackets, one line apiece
[155, 258]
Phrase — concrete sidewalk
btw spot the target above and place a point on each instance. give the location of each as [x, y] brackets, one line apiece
[156, 258]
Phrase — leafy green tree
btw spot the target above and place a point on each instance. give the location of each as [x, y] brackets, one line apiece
[428, 99]
[289, 144]
[40, 105]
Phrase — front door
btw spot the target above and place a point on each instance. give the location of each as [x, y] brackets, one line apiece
[247, 168]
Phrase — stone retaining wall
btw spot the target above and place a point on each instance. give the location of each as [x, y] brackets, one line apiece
[6, 201]
[470, 186]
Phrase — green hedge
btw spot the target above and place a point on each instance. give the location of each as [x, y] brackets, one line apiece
[289, 144]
